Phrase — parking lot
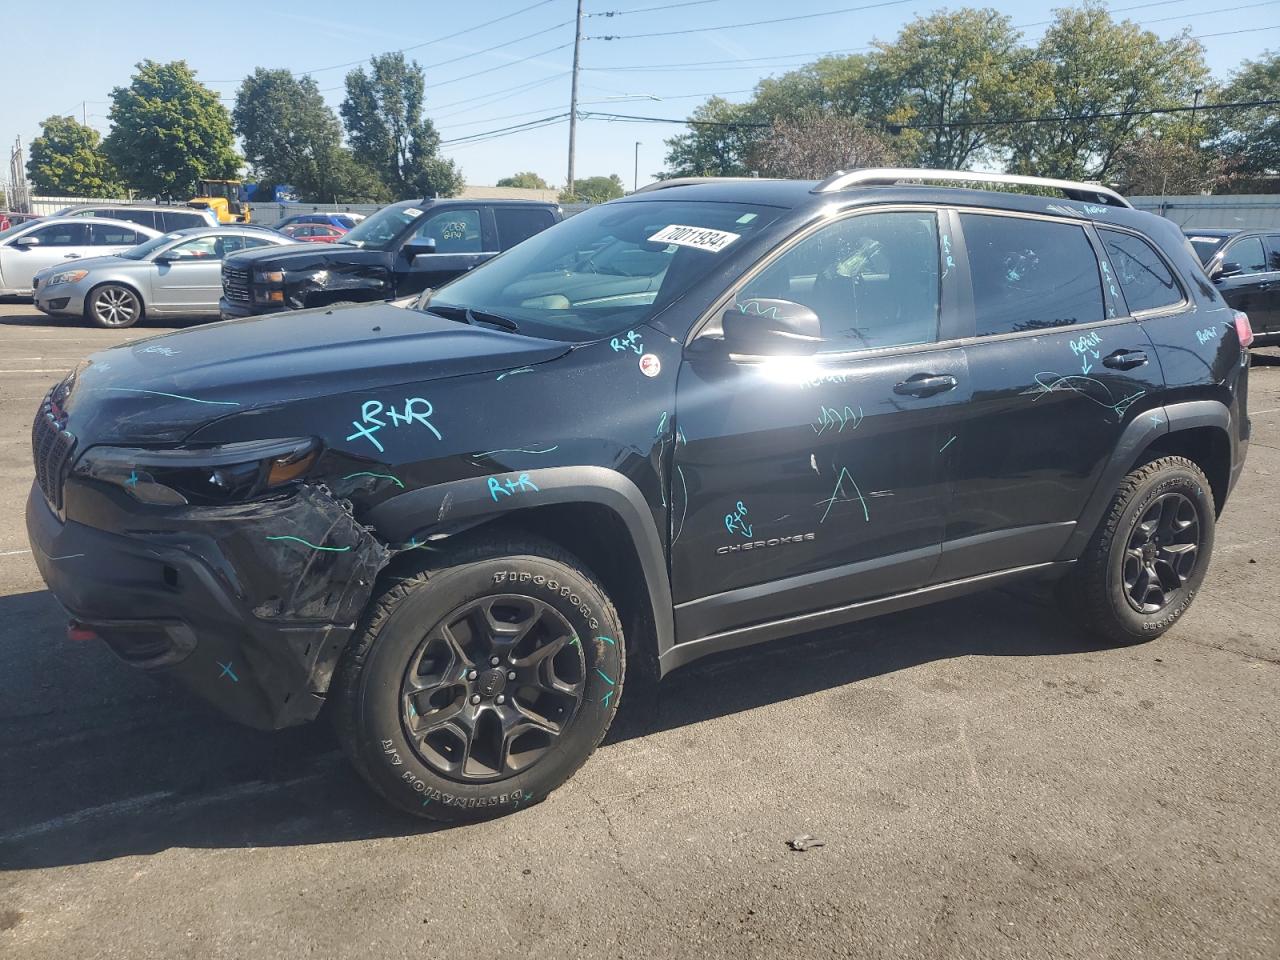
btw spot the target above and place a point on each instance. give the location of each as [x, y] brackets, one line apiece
[985, 783]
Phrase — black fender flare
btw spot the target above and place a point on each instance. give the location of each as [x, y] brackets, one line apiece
[459, 504]
[1142, 431]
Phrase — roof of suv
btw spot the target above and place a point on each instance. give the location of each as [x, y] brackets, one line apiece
[881, 185]
[174, 208]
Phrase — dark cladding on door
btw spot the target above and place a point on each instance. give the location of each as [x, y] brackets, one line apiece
[806, 482]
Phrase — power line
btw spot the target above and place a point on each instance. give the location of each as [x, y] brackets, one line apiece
[665, 6]
[501, 66]
[755, 23]
[497, 94]
[415, 46]
[702, 64]
[1007, 121]
[514, 128]
[475, 53]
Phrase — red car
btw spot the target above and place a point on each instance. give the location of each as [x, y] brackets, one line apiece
[313, 232]
[9, 219]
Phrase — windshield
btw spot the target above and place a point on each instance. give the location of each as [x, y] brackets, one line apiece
[142, 250]
[612, 267]
[379, 230]
[1206, 247]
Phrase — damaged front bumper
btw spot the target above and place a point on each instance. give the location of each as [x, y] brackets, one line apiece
[248, 605]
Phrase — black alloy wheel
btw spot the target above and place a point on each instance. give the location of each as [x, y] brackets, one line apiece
[1161, 554]
[492, 687]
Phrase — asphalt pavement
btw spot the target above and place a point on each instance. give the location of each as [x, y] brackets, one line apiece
[984, 781]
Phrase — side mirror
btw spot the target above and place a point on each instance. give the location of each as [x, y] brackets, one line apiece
[1228, 268]
[162, 259]
[764, 327]
[421, 246]
[27, 241]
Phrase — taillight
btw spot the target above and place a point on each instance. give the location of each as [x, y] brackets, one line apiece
[1244, 331]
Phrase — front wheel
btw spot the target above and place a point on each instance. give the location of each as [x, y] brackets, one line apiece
[114, 306]
[478, 687]
[1146, 561]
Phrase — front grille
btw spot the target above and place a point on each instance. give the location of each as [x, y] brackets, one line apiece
[235, 283]
[51, 450]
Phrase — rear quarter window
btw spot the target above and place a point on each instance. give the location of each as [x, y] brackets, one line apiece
[516, 224]
[1145, 279]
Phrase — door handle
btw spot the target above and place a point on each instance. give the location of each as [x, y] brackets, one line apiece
[1125, 359]
[71, 256]
[925, 385]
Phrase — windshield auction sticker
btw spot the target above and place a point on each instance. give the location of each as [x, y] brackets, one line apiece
[700, 238]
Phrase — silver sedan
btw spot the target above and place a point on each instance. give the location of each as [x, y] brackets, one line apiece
[177, 274]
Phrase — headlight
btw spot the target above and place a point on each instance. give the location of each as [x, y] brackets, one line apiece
[67, 276]
[229, 473]
[271, 276]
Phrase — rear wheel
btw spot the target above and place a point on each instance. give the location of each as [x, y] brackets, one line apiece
[1149, 556]
[478, 687]
[114, 306]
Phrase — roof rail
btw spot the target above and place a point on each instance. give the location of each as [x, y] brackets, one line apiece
[689, 181]
[884, 176]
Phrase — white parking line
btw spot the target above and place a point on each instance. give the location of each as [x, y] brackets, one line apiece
[40, 370]
[13, 553]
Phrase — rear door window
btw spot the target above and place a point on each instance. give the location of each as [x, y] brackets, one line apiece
[109, 235]
[174, 220]
[145, 218]
[1031, 274]
[1248, 253]
[1146, 280]
[516, 224]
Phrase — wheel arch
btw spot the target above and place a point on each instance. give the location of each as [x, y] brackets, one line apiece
[1199, 430]
[595, 513]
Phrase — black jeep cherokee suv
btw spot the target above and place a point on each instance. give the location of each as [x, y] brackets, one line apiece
[695, 419]
[399, 251]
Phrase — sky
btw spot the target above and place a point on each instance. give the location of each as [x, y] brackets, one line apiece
[474, 89]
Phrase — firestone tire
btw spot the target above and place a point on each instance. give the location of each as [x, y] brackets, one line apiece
[418, 680]
[1145, 563]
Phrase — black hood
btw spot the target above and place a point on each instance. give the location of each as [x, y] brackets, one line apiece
[161, 389]
[303, 256]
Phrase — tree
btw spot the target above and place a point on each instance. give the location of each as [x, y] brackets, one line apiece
[1251, 135]
[716, 146]
[67, 160]
[941, 73]
[594, 189]
[388, 132]
[815, 143]
[290, 134]
[1087, 64]
[1169, 164]
[169, 131]
[526, 180]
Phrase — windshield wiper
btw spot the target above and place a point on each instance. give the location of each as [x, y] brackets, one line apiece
[470, 315]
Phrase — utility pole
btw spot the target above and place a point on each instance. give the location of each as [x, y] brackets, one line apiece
[635, 183]
[84, 112]
[573, 100]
